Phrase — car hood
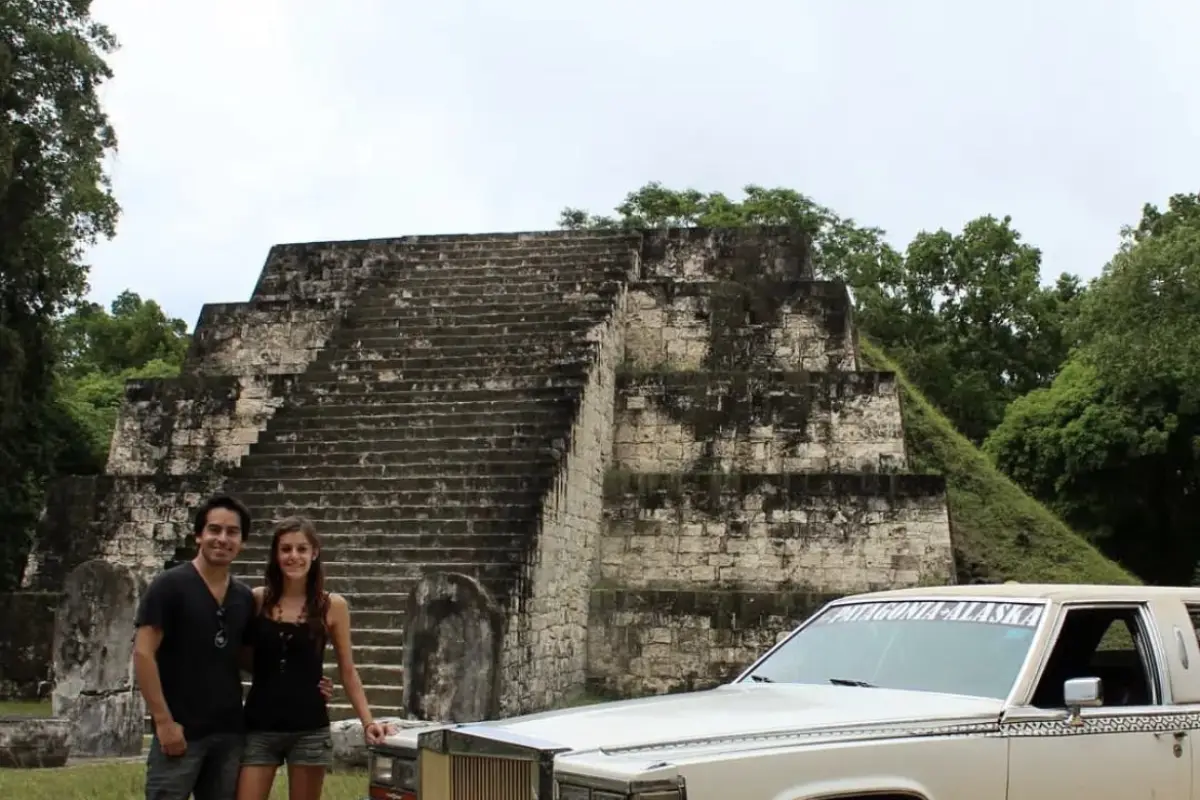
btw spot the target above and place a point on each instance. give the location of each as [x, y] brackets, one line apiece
[740, 710]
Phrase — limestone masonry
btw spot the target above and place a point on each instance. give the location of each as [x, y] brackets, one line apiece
[656, 449]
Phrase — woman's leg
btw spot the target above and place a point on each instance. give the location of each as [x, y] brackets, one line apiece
[260, 760]
[254, 782]
[308, 759]
[304, 782]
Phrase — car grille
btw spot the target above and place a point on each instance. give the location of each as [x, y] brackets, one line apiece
[470, 777]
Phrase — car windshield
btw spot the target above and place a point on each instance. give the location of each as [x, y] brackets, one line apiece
[965, 647]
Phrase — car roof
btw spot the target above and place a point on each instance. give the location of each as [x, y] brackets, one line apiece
[1059, 592]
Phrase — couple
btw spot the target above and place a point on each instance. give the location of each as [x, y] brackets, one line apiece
[198, 628]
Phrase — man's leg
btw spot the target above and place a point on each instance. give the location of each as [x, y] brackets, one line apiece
[172, 777]
[219, 774]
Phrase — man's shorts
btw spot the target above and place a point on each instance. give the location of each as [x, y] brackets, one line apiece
[301, 748]
[208, 770]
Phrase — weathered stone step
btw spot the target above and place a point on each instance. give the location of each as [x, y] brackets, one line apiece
[459, 463]
[465, 304]
[385, 701]
[419, 361]
[516, 511]
[411, 534]
[464, 299]
[442, 386]
[347, 398]
[407, 576]
[489, 246]
[373, 674]
[256, 486]
[444, 311]
[365, 505]
[379, 420]
[417, 262]
[551, 270]
[382, 561]
[512, 405]
[482, 341]
[385, 353]
[390, 450]
[535, 433]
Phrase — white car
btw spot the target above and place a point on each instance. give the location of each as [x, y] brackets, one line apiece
[1024, 692]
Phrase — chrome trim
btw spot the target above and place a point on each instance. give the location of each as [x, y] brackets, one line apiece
[921, 728]
[480, 741]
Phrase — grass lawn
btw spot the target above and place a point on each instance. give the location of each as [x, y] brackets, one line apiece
[1000, 532]
[24, 708]
[124, 781]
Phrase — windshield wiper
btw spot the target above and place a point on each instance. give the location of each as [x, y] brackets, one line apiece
[761, 679]
[848, 682]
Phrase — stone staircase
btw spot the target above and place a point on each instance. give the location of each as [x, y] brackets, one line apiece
[430, 427]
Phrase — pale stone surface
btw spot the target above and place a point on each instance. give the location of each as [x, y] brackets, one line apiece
[93, 665]
[450, 664]
[349, 745]
[545, 646]
[34, 742]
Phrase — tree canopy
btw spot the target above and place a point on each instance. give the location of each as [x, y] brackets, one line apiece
[964, 313]
[55, 200]
[1113, 444]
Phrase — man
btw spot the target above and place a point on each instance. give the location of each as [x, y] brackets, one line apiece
[191, 625]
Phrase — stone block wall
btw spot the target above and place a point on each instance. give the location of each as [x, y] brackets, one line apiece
[546, 643]
[193, 424]
[757, 473]
[684, 421]
[699, 572]
[790, 324]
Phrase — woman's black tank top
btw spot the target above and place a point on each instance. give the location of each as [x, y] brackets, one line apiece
[285, 695]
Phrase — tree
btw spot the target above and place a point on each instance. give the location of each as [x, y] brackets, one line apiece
[965, 314]
[55, 200]
[101, 351]
[1114, 442]
[135, 333]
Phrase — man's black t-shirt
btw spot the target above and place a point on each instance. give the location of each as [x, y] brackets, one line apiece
[198, 657]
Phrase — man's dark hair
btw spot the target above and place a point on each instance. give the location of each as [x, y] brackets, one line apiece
[227, 502]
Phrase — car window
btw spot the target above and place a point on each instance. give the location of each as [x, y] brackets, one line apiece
[955, 647]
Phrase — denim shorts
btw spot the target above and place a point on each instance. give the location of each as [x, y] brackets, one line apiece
[299, 748]
[207, 771]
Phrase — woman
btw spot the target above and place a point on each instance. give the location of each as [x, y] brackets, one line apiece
[287, 719]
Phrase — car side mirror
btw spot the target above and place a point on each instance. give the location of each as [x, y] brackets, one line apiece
[1079, 693]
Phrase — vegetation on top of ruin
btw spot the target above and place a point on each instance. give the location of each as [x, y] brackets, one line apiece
[1000, 533]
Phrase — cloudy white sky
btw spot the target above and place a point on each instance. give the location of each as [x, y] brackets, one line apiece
[245, 123]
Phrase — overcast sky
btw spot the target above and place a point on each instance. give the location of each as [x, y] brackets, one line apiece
[245, 123]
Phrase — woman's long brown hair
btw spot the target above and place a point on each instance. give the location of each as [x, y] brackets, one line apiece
[316, 601]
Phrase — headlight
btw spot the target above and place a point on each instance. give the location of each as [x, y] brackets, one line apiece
[394, 771]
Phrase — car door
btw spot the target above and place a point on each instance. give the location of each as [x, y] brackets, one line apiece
[1131, 746]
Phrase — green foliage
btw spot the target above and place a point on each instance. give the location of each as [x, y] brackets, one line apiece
[55, 200]
[964, 313]
[137, 332]
[1114, 443]
[101, 351]
[1000, 532]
